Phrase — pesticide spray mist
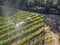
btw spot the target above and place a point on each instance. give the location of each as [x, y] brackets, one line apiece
[9, 7]
[8, 10]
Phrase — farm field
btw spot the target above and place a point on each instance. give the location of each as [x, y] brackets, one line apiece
[29, 22]
[28, 34]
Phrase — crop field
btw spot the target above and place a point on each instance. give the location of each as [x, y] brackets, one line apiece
[29, 22]
[28, 34]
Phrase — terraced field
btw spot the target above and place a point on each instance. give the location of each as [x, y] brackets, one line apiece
[29, 34]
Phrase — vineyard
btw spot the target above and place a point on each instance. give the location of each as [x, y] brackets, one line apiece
[29, 22]
[31, 33]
